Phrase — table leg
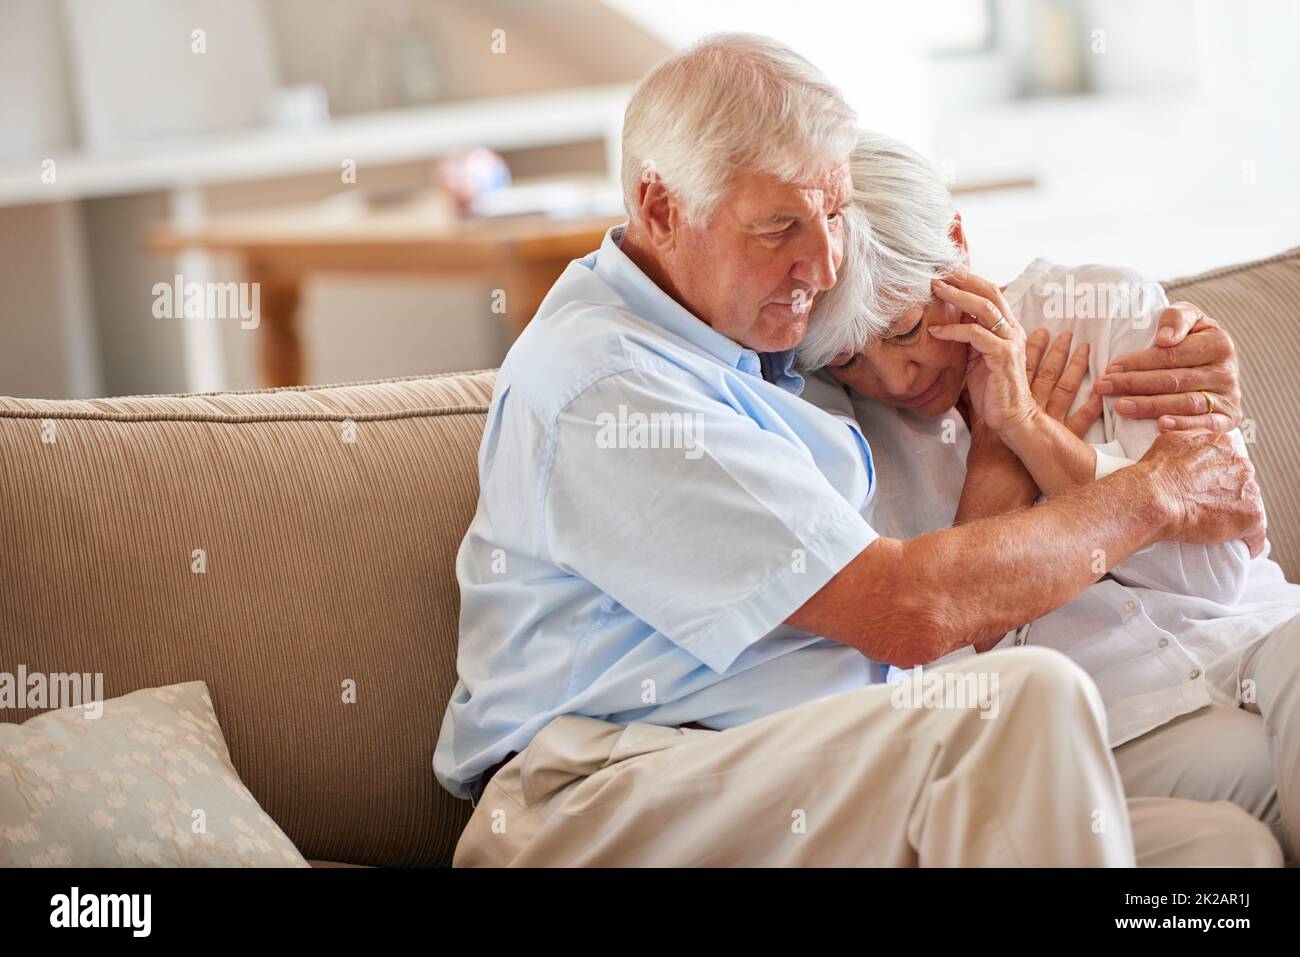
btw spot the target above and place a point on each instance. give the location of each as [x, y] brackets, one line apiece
[532, 281]
[280, 347]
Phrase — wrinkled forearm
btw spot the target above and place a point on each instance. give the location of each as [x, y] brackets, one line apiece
[977, 581]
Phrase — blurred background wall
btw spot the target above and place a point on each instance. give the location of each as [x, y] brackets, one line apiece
[1156, 133]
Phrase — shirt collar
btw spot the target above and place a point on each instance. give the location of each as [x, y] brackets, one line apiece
[651, 303]
[778, 368]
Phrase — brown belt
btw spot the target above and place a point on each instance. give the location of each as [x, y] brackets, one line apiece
[487, 775]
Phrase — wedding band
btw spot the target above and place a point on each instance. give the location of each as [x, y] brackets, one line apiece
[1002, 321]
[1209, 402]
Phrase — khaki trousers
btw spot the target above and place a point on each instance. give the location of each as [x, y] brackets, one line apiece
[850, 780]
[1248, 755]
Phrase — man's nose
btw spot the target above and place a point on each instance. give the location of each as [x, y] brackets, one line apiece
[816, 265]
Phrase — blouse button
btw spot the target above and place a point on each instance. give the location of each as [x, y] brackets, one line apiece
[1196, 673]
[1164, 642]
[1131, 606]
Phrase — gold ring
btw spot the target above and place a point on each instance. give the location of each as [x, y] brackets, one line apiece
[1209, 402]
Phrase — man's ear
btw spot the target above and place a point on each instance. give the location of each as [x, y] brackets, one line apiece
[660, 214]
[958, 235]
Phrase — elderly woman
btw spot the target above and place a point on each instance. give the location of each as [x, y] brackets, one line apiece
[1195, 648]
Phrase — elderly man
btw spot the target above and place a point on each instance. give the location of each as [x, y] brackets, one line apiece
[675, 620]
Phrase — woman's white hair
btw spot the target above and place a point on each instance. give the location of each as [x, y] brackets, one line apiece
[732, 101]
[897, 239]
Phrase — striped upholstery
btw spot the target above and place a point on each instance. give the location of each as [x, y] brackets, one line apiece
[1259, 304]
[325, 561]
[328, 561]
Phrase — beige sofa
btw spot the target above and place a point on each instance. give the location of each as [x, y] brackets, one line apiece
[329, 560]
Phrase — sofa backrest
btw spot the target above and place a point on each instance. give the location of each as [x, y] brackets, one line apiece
[325, 564]
[1259, 304]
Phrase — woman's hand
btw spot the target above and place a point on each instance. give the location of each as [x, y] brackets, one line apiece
[999, 388]
[995, 368]
[1055, 382]
[997, 481]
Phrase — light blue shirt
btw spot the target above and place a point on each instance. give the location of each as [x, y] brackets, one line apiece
[651, 510]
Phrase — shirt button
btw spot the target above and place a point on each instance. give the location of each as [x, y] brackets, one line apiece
[1020, 641]
[1131, 606]
[1196, 673]
[1164, 642]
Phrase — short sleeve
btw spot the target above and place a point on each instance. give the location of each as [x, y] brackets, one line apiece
[690, 514]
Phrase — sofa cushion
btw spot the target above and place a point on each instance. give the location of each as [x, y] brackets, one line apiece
[242, 540]
[141, 780]
[1259, 304]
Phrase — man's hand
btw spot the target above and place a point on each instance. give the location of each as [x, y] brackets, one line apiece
[1212, 491]
[1188, 380]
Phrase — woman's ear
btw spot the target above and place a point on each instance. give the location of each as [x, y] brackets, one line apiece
[958, 235]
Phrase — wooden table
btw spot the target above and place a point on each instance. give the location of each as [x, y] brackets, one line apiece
[412, 233]
[520, 255]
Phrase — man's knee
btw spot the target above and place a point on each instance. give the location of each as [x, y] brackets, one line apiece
[1045, 682]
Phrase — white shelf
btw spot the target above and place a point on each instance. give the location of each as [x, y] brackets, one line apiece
[396, 136]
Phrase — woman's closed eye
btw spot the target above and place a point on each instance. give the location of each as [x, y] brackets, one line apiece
[910, 334]
[845, 363]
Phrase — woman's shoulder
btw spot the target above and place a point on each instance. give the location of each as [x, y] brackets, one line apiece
[1046, 275]
[1092, 297]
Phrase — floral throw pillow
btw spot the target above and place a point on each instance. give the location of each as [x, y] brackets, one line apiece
[147, 783]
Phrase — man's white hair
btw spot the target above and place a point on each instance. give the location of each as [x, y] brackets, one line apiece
[897, 239]
[730, 102]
